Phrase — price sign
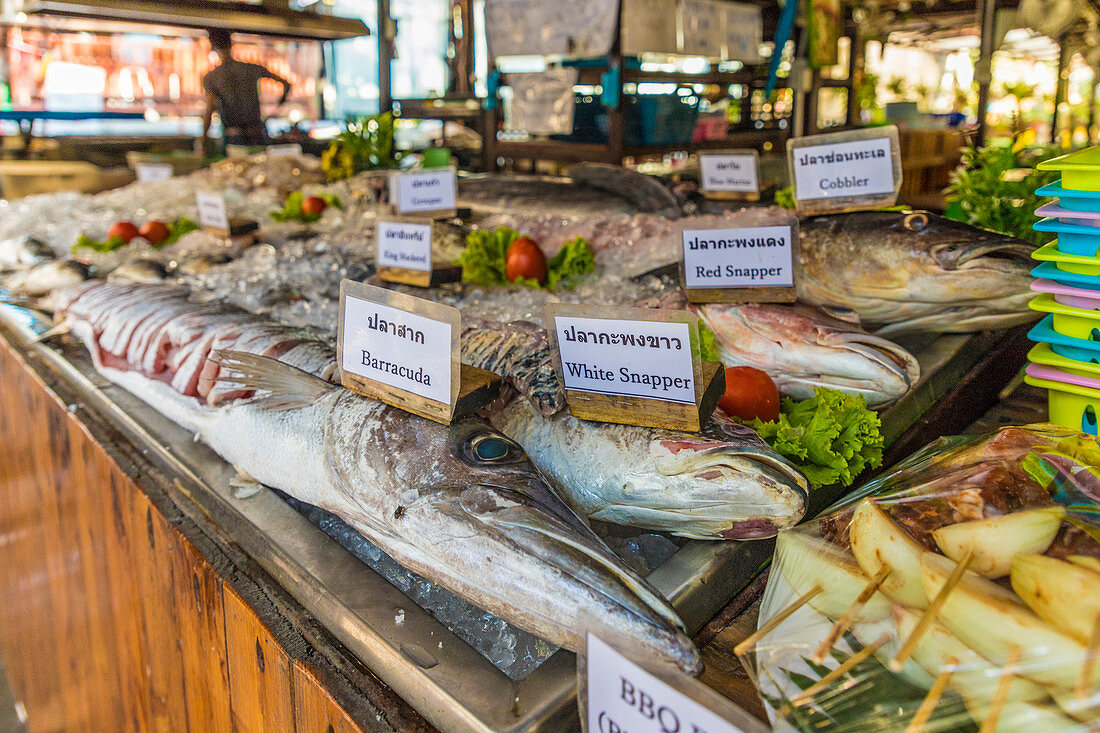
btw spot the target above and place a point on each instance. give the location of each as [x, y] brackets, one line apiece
[148, 172]
[424, 192]
[635, 366]
[276, 151]
[624, 697]
[734, 171]
[404, 351]
[404, 245]
[212, 211]
[845, 171]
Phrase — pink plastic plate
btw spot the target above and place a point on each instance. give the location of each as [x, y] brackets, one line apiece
[1066, 295]
[1057, 375]
[1069, 216]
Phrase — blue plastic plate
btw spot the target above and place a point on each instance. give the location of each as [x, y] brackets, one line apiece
[1067, 346]
[1050, 271]
[1070, 199]
[1073, 239]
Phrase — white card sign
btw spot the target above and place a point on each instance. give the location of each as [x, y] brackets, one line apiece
[648, 359]
[275, 151]
[734, 171]
[404, 245]
[738, 258]
[744, 32]
[149, 172]
[624, 697]
[421, 192]
[392, 346]
[845, 170]
[212, 212]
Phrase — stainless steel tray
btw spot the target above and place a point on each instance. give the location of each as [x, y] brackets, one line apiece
[441, 676]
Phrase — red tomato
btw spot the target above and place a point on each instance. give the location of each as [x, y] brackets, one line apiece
[154, 232]
[313, 205]
[750, 393]
[525, 260]
[124, 230]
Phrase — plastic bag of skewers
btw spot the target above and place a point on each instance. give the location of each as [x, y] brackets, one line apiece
[960, 591]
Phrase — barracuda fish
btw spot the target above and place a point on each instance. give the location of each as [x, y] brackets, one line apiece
[724, 484]
[461, 505]
[22, 252]
[915, 271]
[803, 348]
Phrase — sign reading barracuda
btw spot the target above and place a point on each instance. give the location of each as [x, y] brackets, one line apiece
[744, 257]
[649, 359]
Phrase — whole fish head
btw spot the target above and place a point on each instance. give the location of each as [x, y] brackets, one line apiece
[804, 348]
[725, 483]
[488, 514]
[897, 266]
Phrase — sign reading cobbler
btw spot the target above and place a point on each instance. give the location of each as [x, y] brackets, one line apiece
[647, 359]
[845, 171]
[391, 345]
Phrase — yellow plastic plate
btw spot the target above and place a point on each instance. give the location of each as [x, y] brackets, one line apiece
[1077, 264]
[1080, 170]
[1069, 321]
[1043, 354]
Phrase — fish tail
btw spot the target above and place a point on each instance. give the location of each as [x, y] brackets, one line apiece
[280, 386]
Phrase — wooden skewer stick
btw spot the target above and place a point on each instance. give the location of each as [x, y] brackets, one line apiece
[840, 671]
[1000, 697]
[849, 616]
[775, 620]
[1084, 681]
[924, 712]
[930, 613]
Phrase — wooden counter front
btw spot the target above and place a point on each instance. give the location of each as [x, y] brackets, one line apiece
[118, 613]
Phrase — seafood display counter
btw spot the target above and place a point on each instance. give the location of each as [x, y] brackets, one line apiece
[325, 615]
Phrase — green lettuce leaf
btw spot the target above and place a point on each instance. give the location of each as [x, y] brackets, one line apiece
[292, 208]
[483, 260]
[177, 229]
[832, 436]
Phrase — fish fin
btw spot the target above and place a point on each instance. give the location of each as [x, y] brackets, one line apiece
[518, 517]
[280, 386]
[58, 329]
[243, 485]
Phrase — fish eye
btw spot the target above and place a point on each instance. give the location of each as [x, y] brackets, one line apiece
[493, 449]
[915, 222]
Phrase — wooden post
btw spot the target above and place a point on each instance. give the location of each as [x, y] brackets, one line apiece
[387, 36]
[856, 60]
[983, 70]
[1061, 82]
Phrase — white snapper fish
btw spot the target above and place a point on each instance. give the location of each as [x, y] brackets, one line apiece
[723, 484]
[461, 505]
[802, 348]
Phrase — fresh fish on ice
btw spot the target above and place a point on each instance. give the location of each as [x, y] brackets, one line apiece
[22, 252]
[646, 192]
[45, 278]
[139, 270]
[915, 271]
[802, 348]
[520, 352]
[461, 505]
[723, 484]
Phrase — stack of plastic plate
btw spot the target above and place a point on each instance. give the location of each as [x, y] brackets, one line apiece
[1066, 359]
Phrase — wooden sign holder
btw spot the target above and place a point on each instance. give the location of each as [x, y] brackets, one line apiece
[242, 231]
[471, 388]
[440, 273]
[709, 377]
[711, 195]
[751, 294]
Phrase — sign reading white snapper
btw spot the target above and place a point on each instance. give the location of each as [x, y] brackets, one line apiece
[650, 359]
[397, 348]
[856, 168]
[405, 245]
[738, 258]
